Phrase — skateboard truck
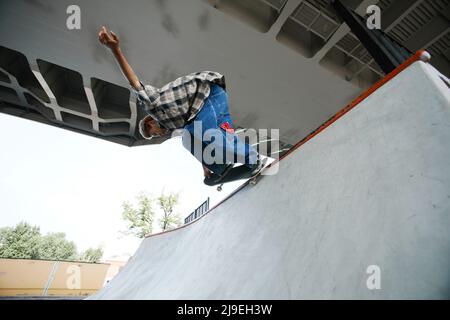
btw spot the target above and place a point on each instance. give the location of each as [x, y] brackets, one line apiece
[252, 179]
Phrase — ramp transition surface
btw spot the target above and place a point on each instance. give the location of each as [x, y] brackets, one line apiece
[371, 189]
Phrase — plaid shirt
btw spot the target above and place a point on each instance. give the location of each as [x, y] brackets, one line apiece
[179, 101]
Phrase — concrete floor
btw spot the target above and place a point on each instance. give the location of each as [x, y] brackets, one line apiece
[372, 189]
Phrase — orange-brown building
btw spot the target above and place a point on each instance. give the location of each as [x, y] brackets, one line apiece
[54, 278]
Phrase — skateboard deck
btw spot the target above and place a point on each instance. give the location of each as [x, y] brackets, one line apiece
[236, 173]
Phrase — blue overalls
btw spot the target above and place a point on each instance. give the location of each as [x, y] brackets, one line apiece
[214, 119]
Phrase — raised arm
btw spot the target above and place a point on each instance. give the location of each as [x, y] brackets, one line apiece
[111, 41]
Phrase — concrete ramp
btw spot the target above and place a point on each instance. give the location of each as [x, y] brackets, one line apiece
[372, 189]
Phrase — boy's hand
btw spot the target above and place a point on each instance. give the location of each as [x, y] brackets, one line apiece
[110, 41]
[206, 172]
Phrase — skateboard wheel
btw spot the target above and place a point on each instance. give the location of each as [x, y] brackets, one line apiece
[253, 182]
[219, 188]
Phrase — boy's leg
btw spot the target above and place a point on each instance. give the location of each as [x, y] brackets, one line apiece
[197, 147]
[194, 136]
[215, 122]
[233, 146]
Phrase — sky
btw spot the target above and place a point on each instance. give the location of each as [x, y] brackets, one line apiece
[67, 182]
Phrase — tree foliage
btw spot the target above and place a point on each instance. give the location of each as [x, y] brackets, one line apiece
[141, 219]
[20, 242]
[55, 246]
[92, 255]
[25, 241]
[170, 219]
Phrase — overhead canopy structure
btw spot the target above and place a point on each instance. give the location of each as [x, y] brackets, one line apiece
[289, 65]
[367, 195]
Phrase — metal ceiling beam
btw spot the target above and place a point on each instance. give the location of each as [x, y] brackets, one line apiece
[396, 12]
[428, 34]
[289, 7]
[362, 7]
[342, 31]
[382, 49]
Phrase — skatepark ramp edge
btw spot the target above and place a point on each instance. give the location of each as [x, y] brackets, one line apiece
[373, 190]
[421, 55]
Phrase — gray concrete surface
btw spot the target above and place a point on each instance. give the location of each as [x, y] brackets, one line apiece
[270, 85]
[372, 189]
[280, 72]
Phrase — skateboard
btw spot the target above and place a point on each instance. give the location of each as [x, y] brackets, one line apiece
[235, 173]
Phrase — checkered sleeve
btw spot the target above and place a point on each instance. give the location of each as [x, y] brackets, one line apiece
[145, 95]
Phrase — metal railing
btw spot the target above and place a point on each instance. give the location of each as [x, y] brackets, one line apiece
[197, 213]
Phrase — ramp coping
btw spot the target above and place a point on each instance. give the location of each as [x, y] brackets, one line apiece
[420, 55]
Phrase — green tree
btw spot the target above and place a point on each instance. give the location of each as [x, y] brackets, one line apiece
[55, 246]
[92, 255]
[25, 241]
[167, 203]
[20, 242]
[140, 219]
